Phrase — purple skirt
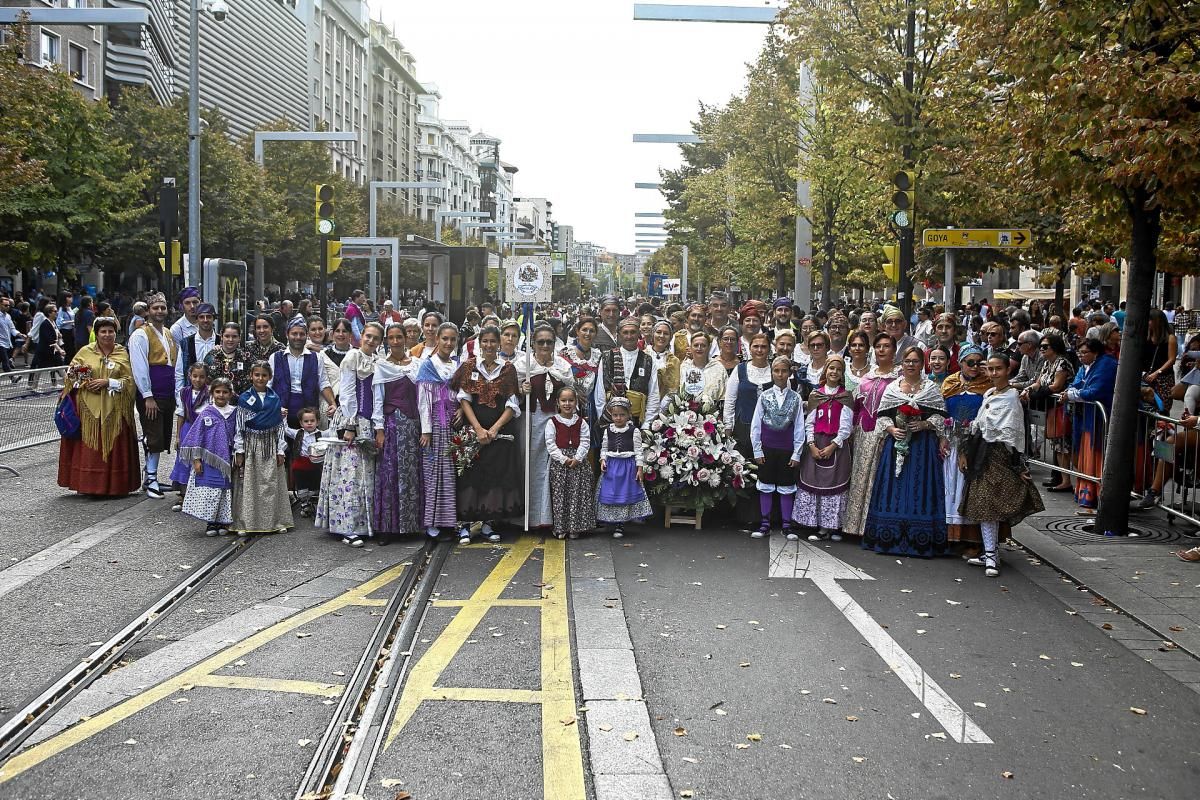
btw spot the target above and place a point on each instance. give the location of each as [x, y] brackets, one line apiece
[182, 469]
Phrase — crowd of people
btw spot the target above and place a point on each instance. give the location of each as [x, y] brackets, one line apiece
[908, 435]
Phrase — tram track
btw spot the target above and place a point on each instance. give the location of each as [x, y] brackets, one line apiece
[55, 695]
[347, 749]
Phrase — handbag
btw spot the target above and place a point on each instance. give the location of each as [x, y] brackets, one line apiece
[66, 417]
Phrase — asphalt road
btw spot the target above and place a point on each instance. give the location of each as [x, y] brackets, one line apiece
[755, 686]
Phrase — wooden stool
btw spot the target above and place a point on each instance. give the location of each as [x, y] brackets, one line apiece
[683, 516]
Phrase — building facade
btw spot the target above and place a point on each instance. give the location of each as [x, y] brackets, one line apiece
[393, 117]
[444, 154]
[535, 218]
[339, 44]
[77, 50]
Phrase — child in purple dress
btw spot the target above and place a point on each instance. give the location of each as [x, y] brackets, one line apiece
[620, 496]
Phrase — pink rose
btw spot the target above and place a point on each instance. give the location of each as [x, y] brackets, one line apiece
[693, 452]
[662, 461]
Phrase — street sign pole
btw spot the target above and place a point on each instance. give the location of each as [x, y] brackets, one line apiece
[323, 289]
[948, 291]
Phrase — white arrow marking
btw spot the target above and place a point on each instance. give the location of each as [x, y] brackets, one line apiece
[802, 560]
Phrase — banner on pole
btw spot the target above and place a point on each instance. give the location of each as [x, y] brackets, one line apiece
[671, 286]
[528, 280]
[560, 263]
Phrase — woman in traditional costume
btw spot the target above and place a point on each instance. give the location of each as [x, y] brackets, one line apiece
[103, 461]
[207, 449]
[438, 406]
[584, 361]
[493, 487]
[229, 360]
[907, 514]
[396, 506]
[825, 462]
[665, 361]
[260, 494]
[999, 491]
[867, 439]
[963, 393]
[541, 379]
[264, 344]
[348, 475]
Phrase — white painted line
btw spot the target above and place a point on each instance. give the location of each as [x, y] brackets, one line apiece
[802, 560]
[64, 550]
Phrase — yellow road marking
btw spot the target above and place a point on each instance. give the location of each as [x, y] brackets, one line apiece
[562, 755]
[192, 676]
[272, 685]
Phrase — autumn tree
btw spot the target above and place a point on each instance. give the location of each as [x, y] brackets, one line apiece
[1101, 98]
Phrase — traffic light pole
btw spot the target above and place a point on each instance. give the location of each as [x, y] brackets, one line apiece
[323, 288]
[904, 286]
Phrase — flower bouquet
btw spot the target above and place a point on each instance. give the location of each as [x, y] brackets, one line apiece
[689, 457]
[464, 449]
[77, 375]
[905, 414]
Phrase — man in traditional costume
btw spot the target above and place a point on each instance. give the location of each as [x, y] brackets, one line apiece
[628, 372]
[297, 376]
[153, 352]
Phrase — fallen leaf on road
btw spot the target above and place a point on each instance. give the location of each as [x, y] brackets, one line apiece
[953, 603]
[187, 687]
[129, 741]
[339, 672]
[955, 675]
[239, 663]
[858, 759]
[643, 565]
[851, 718]
[920, 631]
[1073, 613]
[805, 691]
[1044, 657]
[744, 664]
[605, 727]
[630, 735]
[720, 627]
[680, 731]
[690, 760]
[785, 747]
[1007, 775]
[741, 746]
[1076, 664]
[1176, 628]
[304, 742]
[906, 591]
[399, 796]
[829, 700]
[568, 720]
[754, 737]
[686, 793]
[980, 705]
[939, 735]
[1141, 712]
[915, 715]
[1107, 626]
[721, 712]
[181, 700]
[388, 783]
[922, 613]
[303, 635]
[697, 583]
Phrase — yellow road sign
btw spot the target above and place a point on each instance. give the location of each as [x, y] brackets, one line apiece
[1000, 238]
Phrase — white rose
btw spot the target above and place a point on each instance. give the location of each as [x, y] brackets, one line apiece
[656, 425]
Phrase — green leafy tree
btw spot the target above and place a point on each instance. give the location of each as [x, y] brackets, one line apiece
[64, 188]
[1100, 99]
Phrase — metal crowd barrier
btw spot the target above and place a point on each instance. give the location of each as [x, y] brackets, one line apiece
[1055, 439]
[28, 398]
[1169, 453]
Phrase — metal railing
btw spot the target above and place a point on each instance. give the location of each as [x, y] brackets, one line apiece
[1055, 438]
[1169, 458]
[28, 398]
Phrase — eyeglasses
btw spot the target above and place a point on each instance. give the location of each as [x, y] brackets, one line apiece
[544, 342]
[972, 363]
[1044, 346]
[908, 362]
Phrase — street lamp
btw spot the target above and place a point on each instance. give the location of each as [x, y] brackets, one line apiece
[219, 11]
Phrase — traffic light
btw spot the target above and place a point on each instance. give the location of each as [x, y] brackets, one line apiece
[904, 198]
[334, 251]
[323, 210]
[891, 266]
[176, 257]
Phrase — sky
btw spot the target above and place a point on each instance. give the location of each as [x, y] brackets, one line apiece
[566, 83]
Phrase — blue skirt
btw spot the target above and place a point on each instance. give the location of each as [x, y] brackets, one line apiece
[907, 514]
[619, 495]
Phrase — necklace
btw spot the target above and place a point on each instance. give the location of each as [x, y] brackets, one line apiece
[859, 372]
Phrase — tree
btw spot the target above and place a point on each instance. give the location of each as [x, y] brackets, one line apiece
[1101, 98]
[64, 189]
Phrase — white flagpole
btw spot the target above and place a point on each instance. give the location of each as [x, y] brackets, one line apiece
[527, 326]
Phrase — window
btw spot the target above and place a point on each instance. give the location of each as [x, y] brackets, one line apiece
[75, 4]
[50, 48]
[77, 64]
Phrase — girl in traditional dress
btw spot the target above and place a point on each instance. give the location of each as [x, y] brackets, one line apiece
[207, 449]
[567, 440]
[858, 359]
[825, 463]
[938, 359]
[396, 508]
[260, 495]
[963, 393]
[541, 380]
[264, 344]
[430, 324]
[867, 439]
[620, 497]
[776, 438]
[999, 490]
[438, 406]
[103, 460]
[907, 514]
[665, 361]
[489, 397]
[348, 475]
[192, 400]
[229, 360]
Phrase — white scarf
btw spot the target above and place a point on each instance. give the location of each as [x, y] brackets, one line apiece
[1001, 419]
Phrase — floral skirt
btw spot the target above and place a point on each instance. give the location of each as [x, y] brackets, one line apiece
[208, 503]
[1000, 493]
[347, 490]
[571, 499]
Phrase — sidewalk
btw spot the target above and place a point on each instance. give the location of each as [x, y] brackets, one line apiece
[1136, 577]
